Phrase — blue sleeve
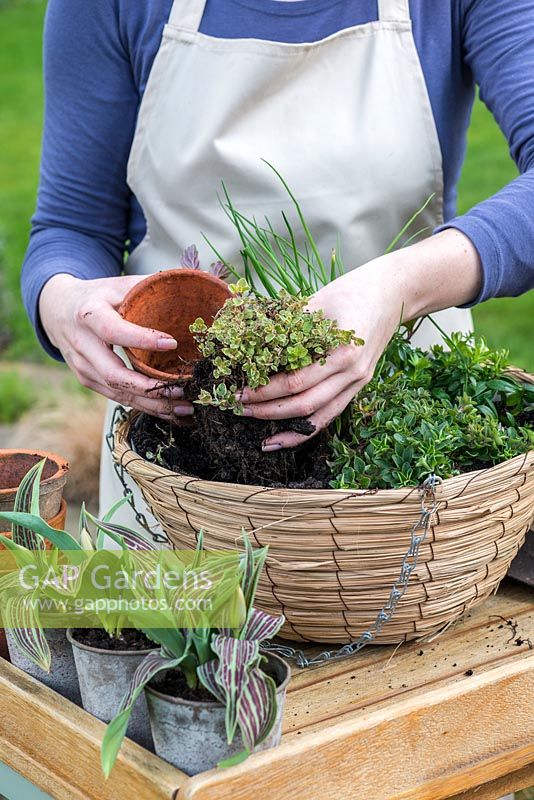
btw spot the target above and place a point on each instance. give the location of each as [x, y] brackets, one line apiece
[80, 224]
[498, 41]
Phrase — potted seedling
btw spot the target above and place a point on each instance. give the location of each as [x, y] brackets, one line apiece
[108, 654]
[170, 301]
[101, 659]
[212, 697]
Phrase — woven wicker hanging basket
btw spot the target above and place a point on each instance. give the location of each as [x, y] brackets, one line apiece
[334, 554]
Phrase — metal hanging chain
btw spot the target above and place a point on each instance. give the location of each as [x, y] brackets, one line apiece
[119, 415]
[429, 506]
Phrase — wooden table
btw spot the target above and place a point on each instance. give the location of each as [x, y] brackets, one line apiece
[453, 718]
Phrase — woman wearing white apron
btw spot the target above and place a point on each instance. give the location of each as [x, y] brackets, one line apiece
[348, 121]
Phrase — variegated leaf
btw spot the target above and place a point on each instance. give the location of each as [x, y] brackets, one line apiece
[22, 619]
[154, 662]
[190, 259]
[236, 659]
[254, 561]
[59, 539]
[126, 537]
[27, 501]
[261, 625]
[257, 710]
[207, 673]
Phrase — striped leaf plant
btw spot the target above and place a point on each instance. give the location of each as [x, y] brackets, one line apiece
[20, 606]
[225, 661]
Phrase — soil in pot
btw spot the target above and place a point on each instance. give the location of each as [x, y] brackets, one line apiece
[190, 732]
[222, 446]
[130, 639]
[14, 464]
[105, 667]
[15, 467]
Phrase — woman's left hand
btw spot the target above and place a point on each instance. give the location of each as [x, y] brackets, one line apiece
[439, 272]
[320, 392]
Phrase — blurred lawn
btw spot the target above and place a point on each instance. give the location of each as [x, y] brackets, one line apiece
[506, 323]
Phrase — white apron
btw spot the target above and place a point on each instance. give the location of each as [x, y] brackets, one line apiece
[346, 120]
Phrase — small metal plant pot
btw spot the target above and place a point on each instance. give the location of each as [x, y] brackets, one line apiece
[104, 677]
[62, 677]
[191, 735]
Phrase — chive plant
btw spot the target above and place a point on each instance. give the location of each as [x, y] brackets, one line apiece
[276, 258]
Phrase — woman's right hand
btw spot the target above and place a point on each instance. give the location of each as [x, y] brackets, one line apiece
[80, 318]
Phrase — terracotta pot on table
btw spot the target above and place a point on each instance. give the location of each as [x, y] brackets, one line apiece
[14, 464]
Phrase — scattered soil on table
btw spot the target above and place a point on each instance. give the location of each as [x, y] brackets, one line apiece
[130, 639]
[222, 446]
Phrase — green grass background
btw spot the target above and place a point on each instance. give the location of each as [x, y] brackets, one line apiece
[505, 323]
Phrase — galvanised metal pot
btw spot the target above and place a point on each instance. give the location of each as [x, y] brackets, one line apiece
[62, 677]
[104, 677]
[191, 735]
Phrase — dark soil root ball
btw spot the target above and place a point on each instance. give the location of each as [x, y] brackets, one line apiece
[223, 446]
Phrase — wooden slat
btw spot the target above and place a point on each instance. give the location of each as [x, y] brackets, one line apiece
[412, 668]
[387, 724]
[513, 782]
[511, 601]
[56, 745]
[427, 746]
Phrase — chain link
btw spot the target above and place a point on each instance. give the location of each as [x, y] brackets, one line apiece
[419, 531]
[119, 415]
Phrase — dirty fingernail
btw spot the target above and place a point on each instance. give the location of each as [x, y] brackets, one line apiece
[167, 344]
[183, 411]
[174, 391]
[246, 411]
[270, 448]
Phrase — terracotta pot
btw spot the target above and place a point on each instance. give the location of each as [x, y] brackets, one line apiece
[57, 522]
[14, 464]
[170, 301]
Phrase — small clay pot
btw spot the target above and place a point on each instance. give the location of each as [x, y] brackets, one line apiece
[14, 464]
[171, 301]
[57, 522]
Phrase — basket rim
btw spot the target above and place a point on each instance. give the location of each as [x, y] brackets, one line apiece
[122, 450]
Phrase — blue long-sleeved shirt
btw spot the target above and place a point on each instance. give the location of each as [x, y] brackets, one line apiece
[97, 59]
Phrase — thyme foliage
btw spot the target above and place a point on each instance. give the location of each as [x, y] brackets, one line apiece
[447, 411]
[253, 338]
